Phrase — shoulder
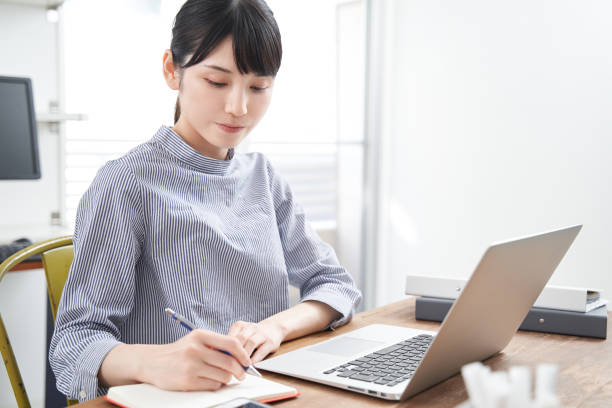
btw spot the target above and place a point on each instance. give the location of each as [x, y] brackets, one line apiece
[114, 173]
[259, 162]
[142, 156]
[251, 160]
[119, 176]
[255, 164]
[136, 163]
[264, 169]
[114, 185]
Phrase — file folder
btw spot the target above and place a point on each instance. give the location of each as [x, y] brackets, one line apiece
[552, 297]
[588, 324]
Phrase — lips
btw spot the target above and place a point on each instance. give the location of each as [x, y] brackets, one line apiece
[230, 128]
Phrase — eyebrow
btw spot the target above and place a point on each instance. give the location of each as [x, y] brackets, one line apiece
[218, 68]
[227, 71]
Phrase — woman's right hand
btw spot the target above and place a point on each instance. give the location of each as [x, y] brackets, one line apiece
[192, 363]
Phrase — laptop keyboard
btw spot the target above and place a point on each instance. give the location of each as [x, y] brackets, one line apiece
[389, 366]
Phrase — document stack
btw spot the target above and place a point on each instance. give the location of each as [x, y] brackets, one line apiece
[558, 309]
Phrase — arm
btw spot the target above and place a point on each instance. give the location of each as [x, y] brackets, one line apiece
[86, 351]
[311, 263]
[99, 290]
[265, 337]
[328, 294]
[192, 363]
[302, 319]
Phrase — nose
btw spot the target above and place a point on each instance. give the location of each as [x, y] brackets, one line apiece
[236, 103]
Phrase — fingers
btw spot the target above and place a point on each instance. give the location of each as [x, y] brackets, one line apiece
[225, 364]
[201, 361]
[253, 343]
[195, 362]
[245, 334]
[207, 371]
[248, 334]
[258, 340]
[242, 331]
[226, 343]
[250, 338]
[263, 351]
[191, 372]
[201, 384]
[235, 329]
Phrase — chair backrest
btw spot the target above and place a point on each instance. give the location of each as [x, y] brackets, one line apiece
[57, 256]
[56, 263]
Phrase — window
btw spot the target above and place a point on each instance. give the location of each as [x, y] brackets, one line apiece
[113, 74]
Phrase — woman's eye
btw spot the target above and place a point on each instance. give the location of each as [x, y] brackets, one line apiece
[216, 84]
[258, 89]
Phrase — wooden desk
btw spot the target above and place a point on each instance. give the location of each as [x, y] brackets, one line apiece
[585, 367]
[26, 266]
[36, 233]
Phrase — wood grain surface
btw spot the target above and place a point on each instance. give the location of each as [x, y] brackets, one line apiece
[585, 367]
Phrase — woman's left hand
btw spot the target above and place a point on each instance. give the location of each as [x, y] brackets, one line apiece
[258, 339]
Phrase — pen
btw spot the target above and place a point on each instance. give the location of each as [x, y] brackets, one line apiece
[190, 326]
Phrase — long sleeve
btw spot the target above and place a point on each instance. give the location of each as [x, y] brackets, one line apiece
[165, 226]
[311, 263]
[99, 291]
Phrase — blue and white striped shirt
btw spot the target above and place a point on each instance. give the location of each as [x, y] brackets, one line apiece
[164, 226]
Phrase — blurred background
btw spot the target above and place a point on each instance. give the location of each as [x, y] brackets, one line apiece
[414, 132]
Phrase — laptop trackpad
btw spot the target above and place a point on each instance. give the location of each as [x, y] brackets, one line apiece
[346, 346]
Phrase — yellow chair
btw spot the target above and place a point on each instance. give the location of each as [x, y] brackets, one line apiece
[56, 257]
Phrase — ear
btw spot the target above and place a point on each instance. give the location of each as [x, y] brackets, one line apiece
[170, 73]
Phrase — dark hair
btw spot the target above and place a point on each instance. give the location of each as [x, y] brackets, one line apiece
[200, 25]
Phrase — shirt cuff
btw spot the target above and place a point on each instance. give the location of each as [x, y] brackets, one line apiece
[341, 304]
[85, 385]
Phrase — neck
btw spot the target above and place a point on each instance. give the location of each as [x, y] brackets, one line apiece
[199, 143]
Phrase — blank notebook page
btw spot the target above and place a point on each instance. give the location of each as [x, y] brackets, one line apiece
[146, 395]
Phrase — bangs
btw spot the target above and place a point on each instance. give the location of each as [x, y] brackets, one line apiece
[255, 35]
[257, 43]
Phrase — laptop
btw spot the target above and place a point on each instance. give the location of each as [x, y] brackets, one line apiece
[395, 363]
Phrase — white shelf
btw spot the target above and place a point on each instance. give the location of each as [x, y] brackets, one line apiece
[34, 232]
[35, 3]
[59, 117]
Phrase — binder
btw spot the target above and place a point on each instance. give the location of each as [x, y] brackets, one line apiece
[552, 297]
[588, 324]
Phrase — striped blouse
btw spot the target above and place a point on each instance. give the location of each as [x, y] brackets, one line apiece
[215, 240]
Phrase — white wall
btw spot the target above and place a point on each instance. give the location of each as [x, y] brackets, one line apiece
[500, 127]
[28, 45]
[28, 48]
[23, 304]
[350, 60]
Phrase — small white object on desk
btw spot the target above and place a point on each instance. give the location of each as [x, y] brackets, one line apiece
[546, 386]
[520, 386]
[499, 389]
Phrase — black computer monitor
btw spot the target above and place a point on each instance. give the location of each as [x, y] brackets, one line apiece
[18, 135]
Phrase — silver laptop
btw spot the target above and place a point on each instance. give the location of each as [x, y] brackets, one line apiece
[394, 362]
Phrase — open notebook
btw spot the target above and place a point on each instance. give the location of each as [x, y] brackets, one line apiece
[147, 395]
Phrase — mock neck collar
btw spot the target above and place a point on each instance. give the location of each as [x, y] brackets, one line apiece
[177, 147]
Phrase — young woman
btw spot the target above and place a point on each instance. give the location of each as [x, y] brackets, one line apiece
[181, 221]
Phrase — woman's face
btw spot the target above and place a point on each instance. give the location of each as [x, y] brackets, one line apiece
[219, 106]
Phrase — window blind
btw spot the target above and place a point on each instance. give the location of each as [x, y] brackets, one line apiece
[125, 108]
